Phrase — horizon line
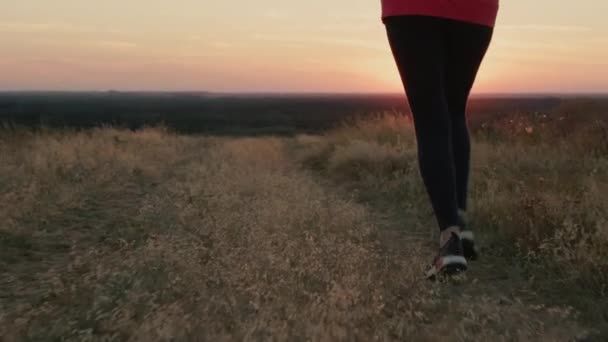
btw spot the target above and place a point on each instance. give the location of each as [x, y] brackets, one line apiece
[294, 93]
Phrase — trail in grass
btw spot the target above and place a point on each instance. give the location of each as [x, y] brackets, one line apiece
[167, 237]
[492, 301]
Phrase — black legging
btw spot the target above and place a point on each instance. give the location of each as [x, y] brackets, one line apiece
[438, 60]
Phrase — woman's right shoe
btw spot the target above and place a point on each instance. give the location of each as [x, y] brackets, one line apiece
[450, 260]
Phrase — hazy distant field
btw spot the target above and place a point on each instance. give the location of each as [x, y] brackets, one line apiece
[151, 235]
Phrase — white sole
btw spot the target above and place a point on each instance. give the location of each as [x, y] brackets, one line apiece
[467, 235]
[446, 262]
[454, 260]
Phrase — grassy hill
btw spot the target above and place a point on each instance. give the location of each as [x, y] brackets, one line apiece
[150, 235]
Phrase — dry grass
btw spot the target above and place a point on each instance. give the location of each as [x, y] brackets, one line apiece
[151, 236]
[117, 235]
[539, 191]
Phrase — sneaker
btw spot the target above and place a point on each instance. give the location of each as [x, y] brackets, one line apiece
[450, 260]
[468, 245]
[468, 238]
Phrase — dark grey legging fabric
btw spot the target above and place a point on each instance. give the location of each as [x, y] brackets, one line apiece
[438, 60]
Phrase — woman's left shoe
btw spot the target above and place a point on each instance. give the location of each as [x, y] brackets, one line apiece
[467, 237]
[468, 244]
[450, 260]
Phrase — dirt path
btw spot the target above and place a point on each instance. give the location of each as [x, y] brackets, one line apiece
[492, 302]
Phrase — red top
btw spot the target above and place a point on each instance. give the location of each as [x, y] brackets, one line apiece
[481, 12]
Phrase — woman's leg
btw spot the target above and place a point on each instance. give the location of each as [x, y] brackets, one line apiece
[419, 47]
[466, 47]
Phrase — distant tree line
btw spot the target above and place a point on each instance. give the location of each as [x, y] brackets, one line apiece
[229, 114]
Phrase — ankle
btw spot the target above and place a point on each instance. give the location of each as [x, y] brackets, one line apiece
[462, 213]
[446, 235]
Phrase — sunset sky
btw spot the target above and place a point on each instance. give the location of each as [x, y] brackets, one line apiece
[278, 46]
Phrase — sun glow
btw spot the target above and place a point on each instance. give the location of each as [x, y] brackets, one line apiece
[271, 45]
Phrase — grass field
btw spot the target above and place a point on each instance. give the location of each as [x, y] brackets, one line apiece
[110, 234]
